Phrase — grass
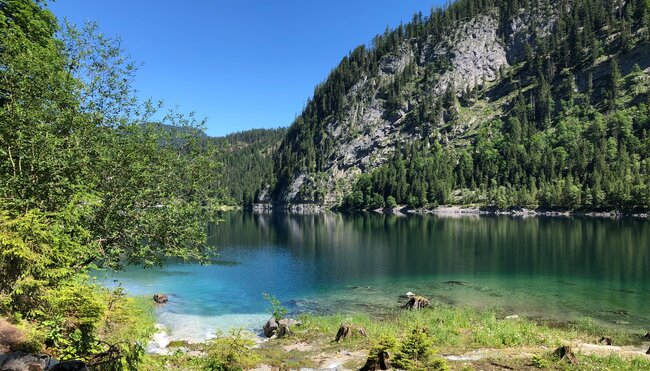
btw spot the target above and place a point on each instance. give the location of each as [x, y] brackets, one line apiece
[518, 343]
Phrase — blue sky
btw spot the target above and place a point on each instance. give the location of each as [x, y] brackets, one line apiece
[242, 64]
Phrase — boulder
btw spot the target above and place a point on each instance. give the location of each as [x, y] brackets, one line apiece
[160, 298]
[20, 361]
[346, 330]
[565, 352]
[417, 302]
[69, 366]
[605, 340]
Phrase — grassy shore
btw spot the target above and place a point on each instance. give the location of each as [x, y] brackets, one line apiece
[455, 338]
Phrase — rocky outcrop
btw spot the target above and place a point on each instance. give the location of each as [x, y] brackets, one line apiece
[367, 130]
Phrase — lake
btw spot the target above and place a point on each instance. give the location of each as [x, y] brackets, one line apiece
[548, 268]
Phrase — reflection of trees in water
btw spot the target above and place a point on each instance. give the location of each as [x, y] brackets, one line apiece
[366, 245]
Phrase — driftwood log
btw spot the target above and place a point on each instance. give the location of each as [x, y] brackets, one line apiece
[380, 361]
[565, 352]
[349, 330]
[417, 302]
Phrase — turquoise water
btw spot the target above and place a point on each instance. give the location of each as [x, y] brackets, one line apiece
[555, 269]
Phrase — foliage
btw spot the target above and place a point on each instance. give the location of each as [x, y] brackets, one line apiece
[86, 181]
[416, 352]
[247, 163]
[231, 353]
[277, 310]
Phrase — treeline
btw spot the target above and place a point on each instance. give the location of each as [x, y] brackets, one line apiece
[87, 182]
[247, 163]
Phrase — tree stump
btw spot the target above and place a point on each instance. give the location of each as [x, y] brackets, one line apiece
[160, 298]
[646, 336]
[417, 302]
[605, 340]
[648, 352]
[379, 362]
[565, 352]
[270, 327]
[347, 330]
[283, 328]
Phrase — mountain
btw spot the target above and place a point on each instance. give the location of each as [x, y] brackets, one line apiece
[247, 162]
[493, 102]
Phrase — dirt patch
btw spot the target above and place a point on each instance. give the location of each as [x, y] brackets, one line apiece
[300, 346]
[10, 337]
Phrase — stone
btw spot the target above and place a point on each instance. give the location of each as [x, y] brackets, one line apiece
[511, 317]
[565, 352]
[20, 361]
[160, 298]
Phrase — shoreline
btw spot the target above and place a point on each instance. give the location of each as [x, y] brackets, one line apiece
[451, 211]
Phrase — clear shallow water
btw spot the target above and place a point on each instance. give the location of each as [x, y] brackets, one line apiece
[555, 269]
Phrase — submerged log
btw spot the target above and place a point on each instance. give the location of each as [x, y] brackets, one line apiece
[417, 302]
[605, 340]
[565, 352]
[380, 361]
[348, 330]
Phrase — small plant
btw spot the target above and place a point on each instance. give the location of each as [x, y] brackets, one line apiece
[416, 352]
[540, 362]
[277, 310]
[232, 352]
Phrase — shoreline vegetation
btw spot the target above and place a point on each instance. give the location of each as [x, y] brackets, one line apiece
[455, 210]
[436, 337]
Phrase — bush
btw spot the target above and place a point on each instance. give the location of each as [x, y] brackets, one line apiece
[416, 352]
[231, 353]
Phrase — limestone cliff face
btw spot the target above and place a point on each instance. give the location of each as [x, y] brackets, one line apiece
[367, 130]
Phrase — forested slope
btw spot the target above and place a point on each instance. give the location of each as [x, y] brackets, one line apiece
[492, 102]
[247, 159]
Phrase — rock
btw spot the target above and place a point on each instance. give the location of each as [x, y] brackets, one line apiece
[345, 330]
[160, 298]
[380, 361]
[417, 302]
[270, 327]
[514, 316]
[69, 366]
[565, 352]
[20, 361]
[605, 340]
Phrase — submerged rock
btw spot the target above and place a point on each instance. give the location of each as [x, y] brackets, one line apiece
[160, 298]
